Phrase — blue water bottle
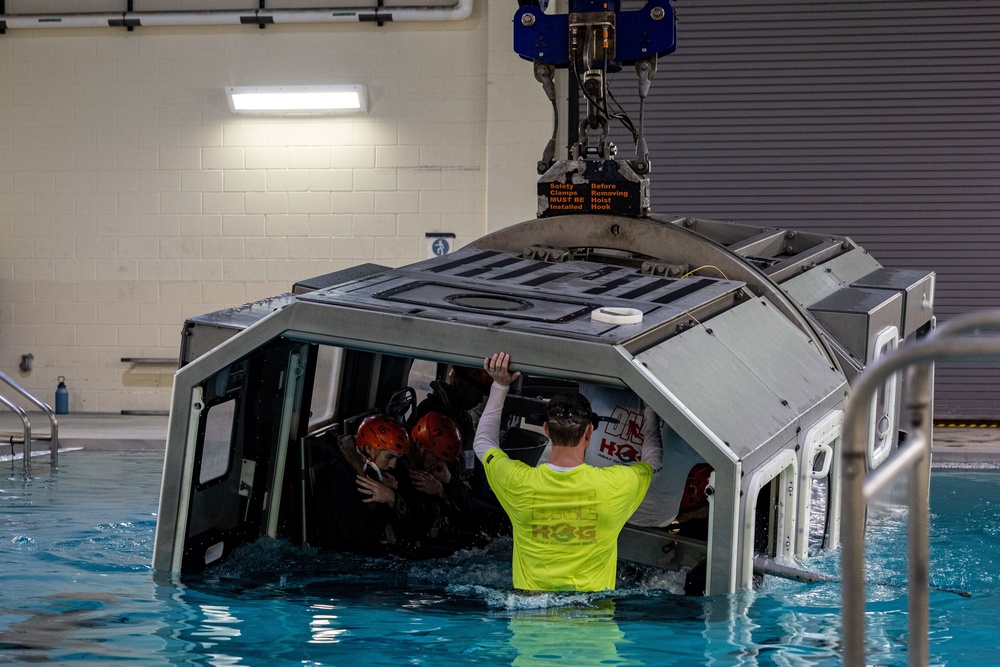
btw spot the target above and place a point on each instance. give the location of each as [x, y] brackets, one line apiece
[62, 397]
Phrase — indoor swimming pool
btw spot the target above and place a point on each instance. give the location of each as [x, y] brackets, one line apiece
[78, 589]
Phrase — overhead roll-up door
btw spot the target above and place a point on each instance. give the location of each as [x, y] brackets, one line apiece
[878, 120]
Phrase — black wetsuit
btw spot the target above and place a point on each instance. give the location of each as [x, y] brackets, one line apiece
[344, 522]
[429, 533]
[481, 511]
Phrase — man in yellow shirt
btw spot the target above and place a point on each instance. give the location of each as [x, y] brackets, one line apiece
[566, 514]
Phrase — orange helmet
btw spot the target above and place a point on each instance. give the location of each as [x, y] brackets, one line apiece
[438, 434]
[380, 432]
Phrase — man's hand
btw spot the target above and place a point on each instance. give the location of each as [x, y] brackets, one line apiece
[376, 491]
[496, 366]
[439, 470]
[427, 483]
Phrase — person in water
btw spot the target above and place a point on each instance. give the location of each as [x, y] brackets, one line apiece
[360, 507]
[460, 399]
[444, 515]
[457, 398]
[566, 514]
[429, 472]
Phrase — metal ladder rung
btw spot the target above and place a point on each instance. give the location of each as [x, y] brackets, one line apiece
[6, 439]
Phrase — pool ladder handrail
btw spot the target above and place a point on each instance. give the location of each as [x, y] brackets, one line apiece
[948, 342]
[52, 437]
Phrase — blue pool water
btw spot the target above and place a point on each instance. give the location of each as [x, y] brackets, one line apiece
[77, 588]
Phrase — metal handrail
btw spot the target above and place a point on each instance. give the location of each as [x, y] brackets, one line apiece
[946, 343]
[41, 405]
[27, 433]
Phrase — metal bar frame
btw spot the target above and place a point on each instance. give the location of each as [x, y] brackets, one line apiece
[950, 342]
[27, 433]
[41, 405]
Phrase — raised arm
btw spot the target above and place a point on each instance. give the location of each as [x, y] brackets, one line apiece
[652, 442]
[488, 431]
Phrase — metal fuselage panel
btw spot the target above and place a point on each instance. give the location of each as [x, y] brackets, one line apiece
[749, 375]
[203, 332]
[809, 287]
[676, 245]
[752, 382]
[504, 291]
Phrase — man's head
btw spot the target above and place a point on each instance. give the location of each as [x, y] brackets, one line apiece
[471, 385]
[568, 419]
[382, 440]
[436, 434]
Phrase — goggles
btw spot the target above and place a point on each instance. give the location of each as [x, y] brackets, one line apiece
[578, 416]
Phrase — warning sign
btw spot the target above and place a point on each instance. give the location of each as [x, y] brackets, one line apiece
[620, 198]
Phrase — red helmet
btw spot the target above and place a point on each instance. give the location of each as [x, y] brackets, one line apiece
[438, 434]
[694, 487]
[380, 432]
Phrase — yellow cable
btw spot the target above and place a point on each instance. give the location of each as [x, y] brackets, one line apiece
[706, 266]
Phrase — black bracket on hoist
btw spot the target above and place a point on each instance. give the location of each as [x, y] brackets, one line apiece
[593, 39]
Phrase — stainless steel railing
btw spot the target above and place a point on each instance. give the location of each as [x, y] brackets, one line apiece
[53, 436]
[973, 337]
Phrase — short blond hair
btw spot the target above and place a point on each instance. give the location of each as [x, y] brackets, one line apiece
[567, 417]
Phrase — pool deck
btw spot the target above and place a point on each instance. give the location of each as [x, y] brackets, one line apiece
[953, 446]
[92, 431]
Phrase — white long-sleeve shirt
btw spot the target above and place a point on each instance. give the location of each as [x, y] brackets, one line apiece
[652, 443]
[488, 430]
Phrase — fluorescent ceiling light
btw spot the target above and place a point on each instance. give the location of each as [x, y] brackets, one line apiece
[297, 99]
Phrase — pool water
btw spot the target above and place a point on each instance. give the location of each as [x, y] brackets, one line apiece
[77, 588]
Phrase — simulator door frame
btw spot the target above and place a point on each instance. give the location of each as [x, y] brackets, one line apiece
[231, 489]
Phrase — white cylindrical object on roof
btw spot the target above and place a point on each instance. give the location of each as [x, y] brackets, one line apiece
[612, 315]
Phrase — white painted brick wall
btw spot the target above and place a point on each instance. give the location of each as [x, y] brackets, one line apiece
[131, 198]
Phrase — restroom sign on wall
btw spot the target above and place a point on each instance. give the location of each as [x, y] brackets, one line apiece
[439, 243]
